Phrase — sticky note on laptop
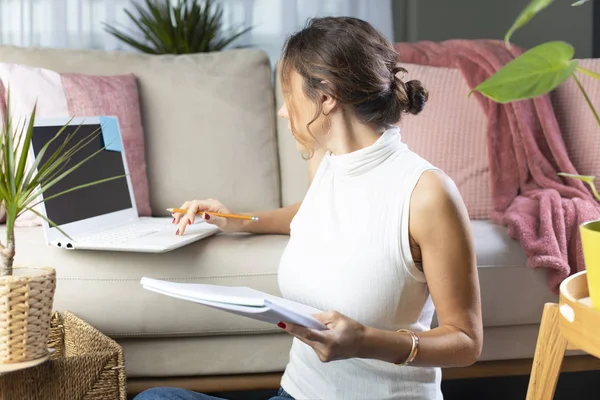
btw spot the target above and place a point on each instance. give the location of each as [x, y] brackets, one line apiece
[111, 134]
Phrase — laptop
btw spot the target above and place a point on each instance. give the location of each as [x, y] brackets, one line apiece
[102, 216]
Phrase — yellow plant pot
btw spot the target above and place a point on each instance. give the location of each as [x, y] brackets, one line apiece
[590, 239]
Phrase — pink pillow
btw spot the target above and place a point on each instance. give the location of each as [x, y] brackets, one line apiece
[578, 126]
[66, 95]
[451, 133]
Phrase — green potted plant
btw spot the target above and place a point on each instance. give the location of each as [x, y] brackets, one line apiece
[188, 26]
[27, 292]
[536, 72]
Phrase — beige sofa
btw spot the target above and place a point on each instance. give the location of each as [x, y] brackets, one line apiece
[211, 131]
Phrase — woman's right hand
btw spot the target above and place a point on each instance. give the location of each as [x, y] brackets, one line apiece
[195, 207]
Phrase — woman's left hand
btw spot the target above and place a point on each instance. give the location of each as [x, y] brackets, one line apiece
[342, 340]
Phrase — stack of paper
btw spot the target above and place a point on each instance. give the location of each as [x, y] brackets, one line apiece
[242, 301]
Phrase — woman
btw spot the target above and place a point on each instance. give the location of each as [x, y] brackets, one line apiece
[381, 237]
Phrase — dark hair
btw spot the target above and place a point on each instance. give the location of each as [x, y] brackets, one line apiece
[348, 59]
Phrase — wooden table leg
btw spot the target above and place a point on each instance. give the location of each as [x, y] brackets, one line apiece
[549, 352]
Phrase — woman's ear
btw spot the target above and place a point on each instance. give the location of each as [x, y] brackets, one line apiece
[327, 100]
[329, 104]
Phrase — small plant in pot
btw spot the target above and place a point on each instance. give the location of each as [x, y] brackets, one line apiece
[537, 72]
[26, 292]
[177, 27]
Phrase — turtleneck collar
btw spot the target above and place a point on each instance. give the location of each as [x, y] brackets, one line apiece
[363, 160]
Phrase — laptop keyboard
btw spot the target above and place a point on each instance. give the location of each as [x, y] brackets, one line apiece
[122, 233]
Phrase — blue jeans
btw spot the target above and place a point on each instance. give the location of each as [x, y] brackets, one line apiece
[168, 393]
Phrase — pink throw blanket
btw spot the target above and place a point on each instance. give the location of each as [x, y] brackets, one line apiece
[526, 151]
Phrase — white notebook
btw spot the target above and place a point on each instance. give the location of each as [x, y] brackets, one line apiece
[242, 301]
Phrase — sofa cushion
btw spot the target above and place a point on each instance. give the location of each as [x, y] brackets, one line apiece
[451, 133]
[103, 287]
[201, 356]
[577, 123]
[511, 293]
[217, 355]
[208, 118]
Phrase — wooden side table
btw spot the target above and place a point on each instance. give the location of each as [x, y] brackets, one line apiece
[570, 325]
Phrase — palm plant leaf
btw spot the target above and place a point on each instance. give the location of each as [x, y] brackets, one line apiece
[50, 167]
[8, 154]
[190, 19]
[130, 41]
[61, 160]
[182, 27]
[25, 149]
[83, 186]
[52, 224]
[43, 171]
[147, 17]
[221, 44]
[211, 26]
[161, 12]
[19, 139]
[195, 18]
[145, 24]
[146, 29]
[36, 163]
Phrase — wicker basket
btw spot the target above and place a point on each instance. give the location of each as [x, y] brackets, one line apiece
[86, 365]
[25, 308]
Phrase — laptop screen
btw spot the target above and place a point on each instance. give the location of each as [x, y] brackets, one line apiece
[91, 201]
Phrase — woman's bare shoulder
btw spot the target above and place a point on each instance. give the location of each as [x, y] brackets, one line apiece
[436, 200]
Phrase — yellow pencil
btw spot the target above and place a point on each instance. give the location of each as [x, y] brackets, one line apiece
[216, 214]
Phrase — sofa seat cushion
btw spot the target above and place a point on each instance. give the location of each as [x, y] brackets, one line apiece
[227, 355]
[511, 293]
[103, 287]
[211, 355]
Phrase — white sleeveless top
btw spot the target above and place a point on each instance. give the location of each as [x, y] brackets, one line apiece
[349, 252]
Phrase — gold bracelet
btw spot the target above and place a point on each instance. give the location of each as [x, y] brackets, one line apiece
[414, 347]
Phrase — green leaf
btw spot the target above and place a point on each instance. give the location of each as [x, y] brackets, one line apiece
[584, 178]
[60, 154]
[131, 42]
[225, 42]
[78, 187]
[9, 156]
[36, 163]
[25, 151]
[587, 99]
[579, 3]
[187, 26]
[47, 185]
[534, 73]
[52, 224]
[588, 72]
[534, 7]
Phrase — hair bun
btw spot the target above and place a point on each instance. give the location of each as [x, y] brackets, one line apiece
[417, 96]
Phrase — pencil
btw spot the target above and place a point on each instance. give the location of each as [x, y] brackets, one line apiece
[216, 214]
